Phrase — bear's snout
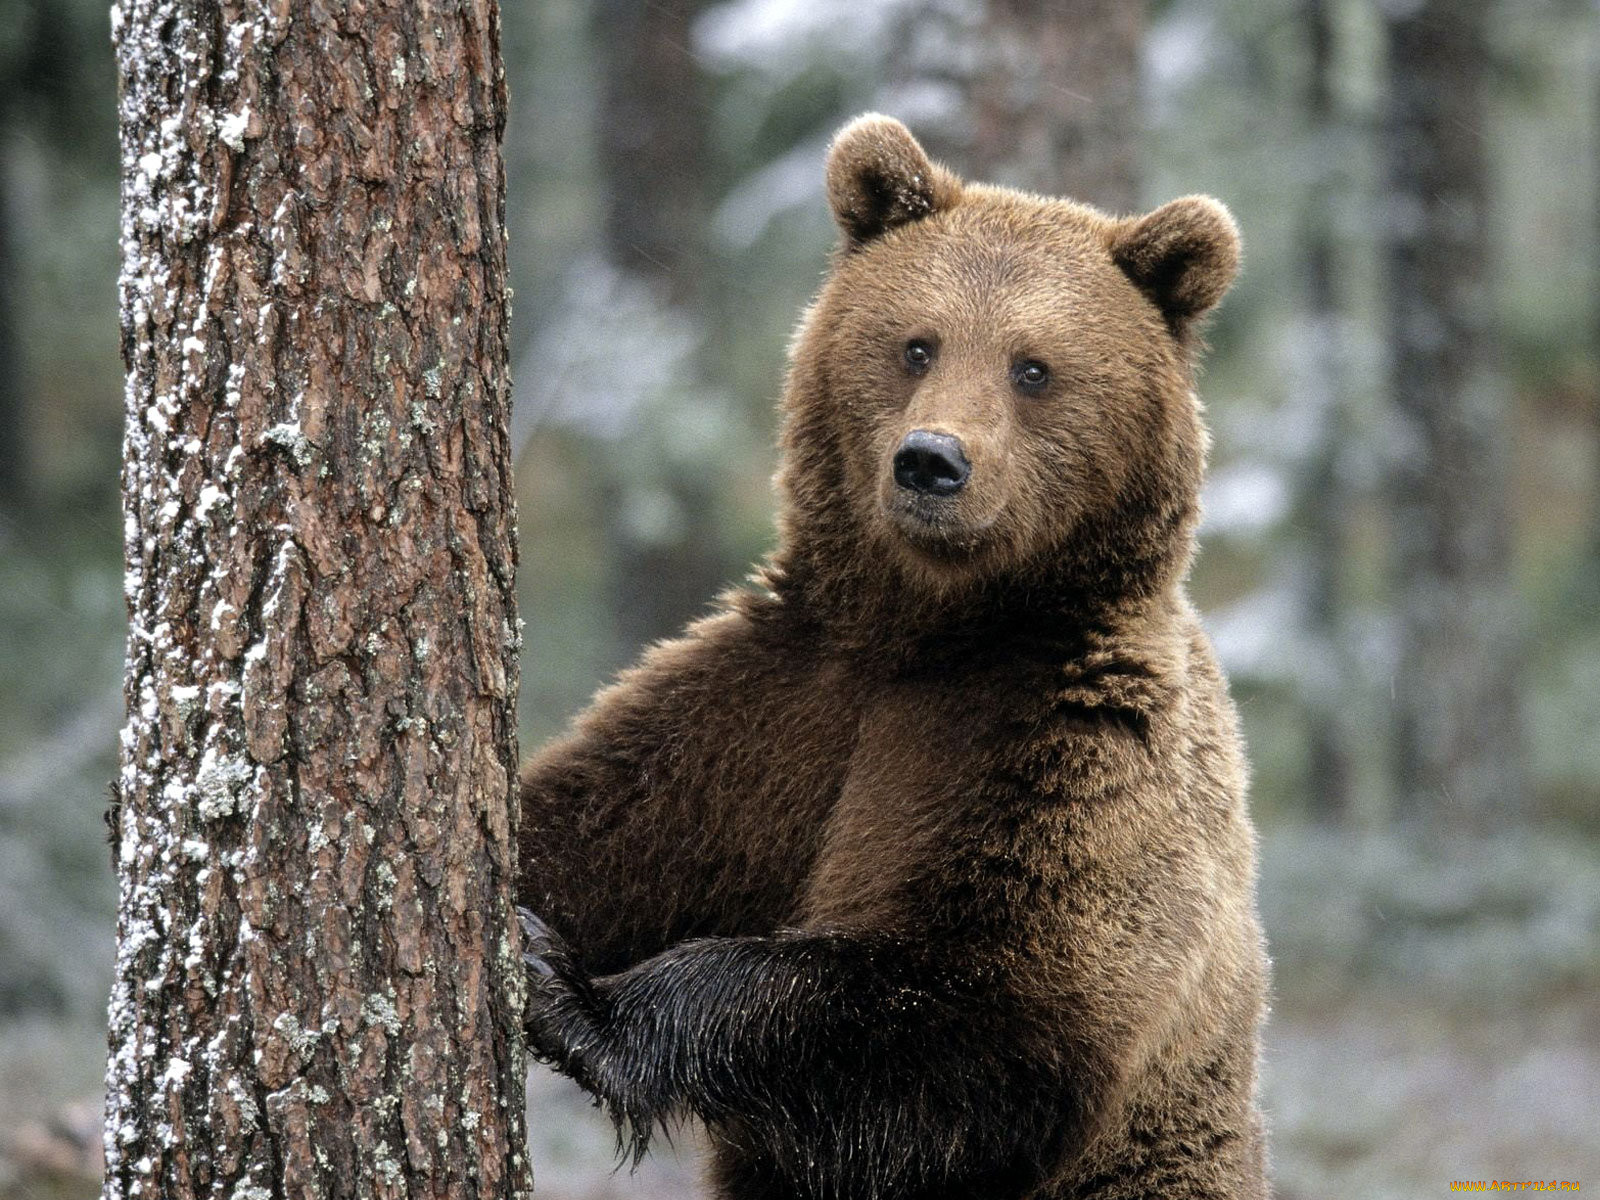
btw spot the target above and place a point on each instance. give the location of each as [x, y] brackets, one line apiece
[931, 464]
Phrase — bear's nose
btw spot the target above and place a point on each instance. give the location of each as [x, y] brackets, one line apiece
[931, 463]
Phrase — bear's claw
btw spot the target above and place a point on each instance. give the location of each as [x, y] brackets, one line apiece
[539, 944]
[565, 1007]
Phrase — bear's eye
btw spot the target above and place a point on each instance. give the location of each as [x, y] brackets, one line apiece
[1030, 376]
[919, 355]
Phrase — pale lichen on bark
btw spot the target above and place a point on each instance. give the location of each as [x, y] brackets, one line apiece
[316, 989]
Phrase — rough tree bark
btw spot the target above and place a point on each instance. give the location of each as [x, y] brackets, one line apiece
[317, 987]
[1457, 683]
[1056, 100]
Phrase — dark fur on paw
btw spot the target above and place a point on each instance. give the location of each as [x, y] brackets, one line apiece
[567, 1024]
[565, 1015]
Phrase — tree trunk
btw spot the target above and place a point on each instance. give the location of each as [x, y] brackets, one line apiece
[1594, 348]
[1457, 683]
[15, 491]
[1056, 101]
[660, 506]
[653, 141]
[317, 986]
[1324, 503]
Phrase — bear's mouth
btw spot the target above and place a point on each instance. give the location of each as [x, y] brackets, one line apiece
[936, 525]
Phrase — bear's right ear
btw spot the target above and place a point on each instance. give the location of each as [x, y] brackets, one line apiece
[879, 177]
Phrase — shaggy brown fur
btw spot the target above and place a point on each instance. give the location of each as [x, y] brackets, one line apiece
[923, 869]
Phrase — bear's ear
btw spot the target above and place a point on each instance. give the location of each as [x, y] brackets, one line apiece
[1183, 256]
[879, 177]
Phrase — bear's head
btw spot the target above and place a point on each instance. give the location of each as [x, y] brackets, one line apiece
[994, 386]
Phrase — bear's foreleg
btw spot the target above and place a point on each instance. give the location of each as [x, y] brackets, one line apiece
[850, 1066]
[690, 798]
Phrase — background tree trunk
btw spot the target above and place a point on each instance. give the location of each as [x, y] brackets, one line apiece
[1056, 100]
[1323, 500]
[652, 142]
[1457, 682]
[1594, 345]
[317, 986]
[660, 521]
[15, 491]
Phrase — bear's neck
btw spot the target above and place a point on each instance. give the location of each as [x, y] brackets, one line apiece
[1099, 580]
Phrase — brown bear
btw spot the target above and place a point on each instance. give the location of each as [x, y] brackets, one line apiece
[922, 867]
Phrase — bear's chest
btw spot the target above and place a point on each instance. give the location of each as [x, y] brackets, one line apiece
[940, 812]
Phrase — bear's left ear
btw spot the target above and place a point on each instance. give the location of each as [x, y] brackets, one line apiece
[880, 177]
[1183, 256]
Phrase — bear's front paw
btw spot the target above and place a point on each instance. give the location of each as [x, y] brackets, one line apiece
[568, 1024]
[565, 1017]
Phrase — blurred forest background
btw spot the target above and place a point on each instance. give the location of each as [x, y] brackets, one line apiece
[1401, 553]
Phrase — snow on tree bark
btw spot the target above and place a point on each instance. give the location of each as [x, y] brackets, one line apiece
[1457, 685]
[317, 985]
